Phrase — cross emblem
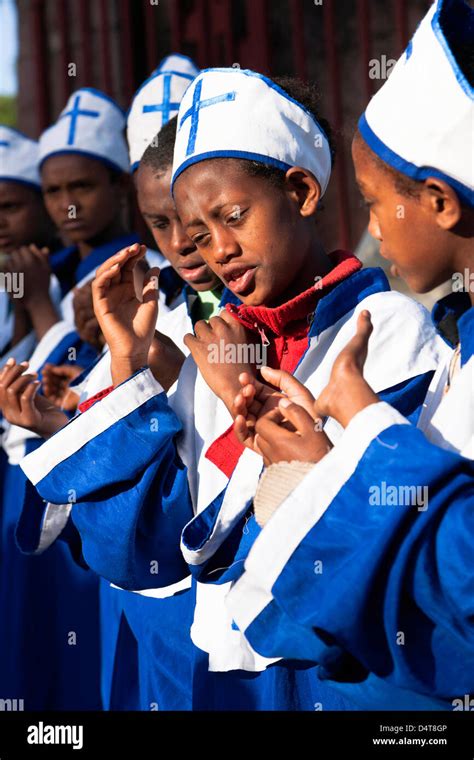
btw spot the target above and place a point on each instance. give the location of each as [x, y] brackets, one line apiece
[193, 112]
[4, 143]
[74, 113]
[166, 106]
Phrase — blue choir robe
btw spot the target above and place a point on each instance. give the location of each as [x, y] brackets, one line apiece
[50, 603]
[146, 651]
[131, 510]
[366, 568]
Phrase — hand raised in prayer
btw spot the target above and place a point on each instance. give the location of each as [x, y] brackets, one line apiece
[266, 401]
[127, 321]
[21, 405]
[85, 320]
[222, 350]
[288, 433]
[55, 382]
[347, 393]
[165, 360]
[32, 264]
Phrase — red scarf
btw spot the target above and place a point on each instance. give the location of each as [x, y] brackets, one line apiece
[286, 327]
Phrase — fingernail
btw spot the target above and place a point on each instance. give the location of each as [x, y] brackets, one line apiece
[10, 362]
[284, 402]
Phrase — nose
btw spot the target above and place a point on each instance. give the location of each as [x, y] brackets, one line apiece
[181, 244]
[374, 227]
[225, 246]
[67, 203]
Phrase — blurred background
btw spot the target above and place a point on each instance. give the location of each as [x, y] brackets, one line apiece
[347, 47]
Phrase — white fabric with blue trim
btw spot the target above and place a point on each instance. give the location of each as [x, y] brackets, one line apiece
[156, 102]
[420, 122]
[237, 113]
[178, 62]
[19, 157]
[91, 124]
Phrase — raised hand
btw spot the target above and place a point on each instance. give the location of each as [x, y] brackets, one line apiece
[55, 382]
[32, 265]
[21, 405]
[347, 393]
[257, 399]
[127, 321]
[85, 320]
[165, 360]
[222, 349]
[288, 433]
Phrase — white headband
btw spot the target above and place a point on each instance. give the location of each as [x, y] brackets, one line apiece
[238, 113]
[91, 124]
[156, 102]
[19, 157]
[421, 121]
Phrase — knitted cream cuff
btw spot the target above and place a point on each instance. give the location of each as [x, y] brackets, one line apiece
[276, 483]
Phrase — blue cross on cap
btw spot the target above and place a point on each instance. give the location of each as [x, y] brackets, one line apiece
[166, 106]
[74, 113]
[193, 112]
[4, 143]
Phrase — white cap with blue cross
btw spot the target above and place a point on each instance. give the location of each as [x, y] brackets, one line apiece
[156, 102]
[92, 125]
[421, 120]
[238, 113]
[19, 158]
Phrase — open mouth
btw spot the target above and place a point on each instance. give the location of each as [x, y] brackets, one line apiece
[193, 273]
[241, 280]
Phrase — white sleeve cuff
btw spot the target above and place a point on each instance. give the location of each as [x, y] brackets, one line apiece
[123, 400]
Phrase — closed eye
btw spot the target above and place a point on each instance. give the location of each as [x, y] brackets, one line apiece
[160, 224]
[236, 216]
[201, 239]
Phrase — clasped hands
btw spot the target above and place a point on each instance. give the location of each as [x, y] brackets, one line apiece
[276, 415]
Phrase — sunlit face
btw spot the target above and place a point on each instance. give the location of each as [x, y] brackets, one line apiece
[405, 226]
[251, 233]
[159, 212]
[23, 219]
[80, 195]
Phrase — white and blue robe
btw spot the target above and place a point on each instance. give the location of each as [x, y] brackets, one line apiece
[366, 568]
[131, 510]
[131, 675]
[45, 597]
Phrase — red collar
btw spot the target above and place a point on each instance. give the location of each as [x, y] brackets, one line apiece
[282, 319]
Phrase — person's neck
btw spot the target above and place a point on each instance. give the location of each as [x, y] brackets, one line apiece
[317, 264]
[113, 231]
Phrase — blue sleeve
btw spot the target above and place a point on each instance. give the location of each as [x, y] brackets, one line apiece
[394, 591]
[228, 561]
[126, 483]
[408, 396]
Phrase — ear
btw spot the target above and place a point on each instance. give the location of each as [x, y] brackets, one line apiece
[303, 187]
[443, 201]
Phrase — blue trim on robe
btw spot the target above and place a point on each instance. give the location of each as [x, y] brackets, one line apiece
[152, 489]
[413, 577]
[227, 562]
[122, 549]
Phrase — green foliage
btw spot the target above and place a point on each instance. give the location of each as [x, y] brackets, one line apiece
[8, 110]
